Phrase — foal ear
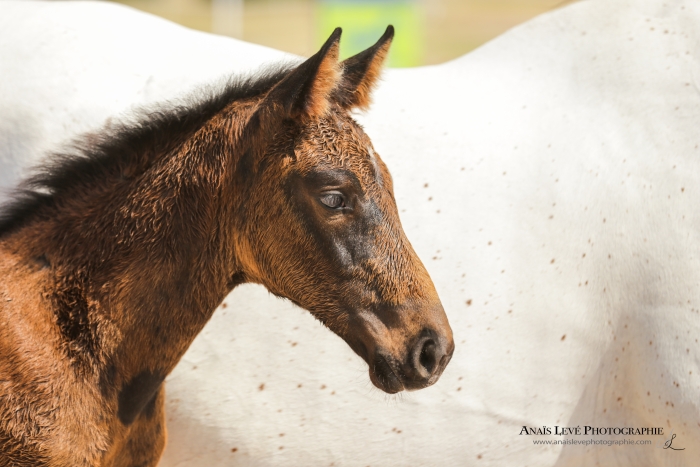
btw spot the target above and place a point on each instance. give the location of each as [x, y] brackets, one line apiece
[361, 73]
[305, 91]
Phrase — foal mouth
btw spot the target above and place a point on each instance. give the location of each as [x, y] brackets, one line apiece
[384, 377]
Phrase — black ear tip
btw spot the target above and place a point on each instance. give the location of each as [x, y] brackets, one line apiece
[333, 39]
[336, 34]
[389, 33]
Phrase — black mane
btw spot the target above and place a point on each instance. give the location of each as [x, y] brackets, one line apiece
[147, 133]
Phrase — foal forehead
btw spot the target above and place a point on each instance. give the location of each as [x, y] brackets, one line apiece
[337, 141]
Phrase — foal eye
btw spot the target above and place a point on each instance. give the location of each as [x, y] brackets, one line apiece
[333, 200]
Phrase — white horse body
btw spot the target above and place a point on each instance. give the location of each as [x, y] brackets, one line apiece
[550, 181]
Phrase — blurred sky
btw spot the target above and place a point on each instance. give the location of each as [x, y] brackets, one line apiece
[427, 31]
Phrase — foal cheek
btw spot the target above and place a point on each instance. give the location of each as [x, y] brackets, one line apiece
[343, 255]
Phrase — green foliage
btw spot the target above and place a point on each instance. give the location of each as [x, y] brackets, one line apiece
[364, 21]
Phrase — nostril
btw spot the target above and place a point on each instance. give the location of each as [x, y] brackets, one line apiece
[428, 358]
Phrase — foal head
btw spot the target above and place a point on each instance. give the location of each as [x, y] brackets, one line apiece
[319, 223]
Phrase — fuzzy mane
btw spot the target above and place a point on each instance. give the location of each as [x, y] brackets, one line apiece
[131, 145]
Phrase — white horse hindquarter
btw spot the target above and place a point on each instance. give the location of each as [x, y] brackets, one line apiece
[571, 168]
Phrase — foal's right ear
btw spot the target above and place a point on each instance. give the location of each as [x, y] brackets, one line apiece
[305, 91]
[361, 74]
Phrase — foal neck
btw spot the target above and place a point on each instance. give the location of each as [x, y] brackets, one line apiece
[137, 263]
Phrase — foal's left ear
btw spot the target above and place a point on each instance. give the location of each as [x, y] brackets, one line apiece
[306, 90]
[361, 73]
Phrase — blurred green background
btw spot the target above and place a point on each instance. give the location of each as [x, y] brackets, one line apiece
[427, 31]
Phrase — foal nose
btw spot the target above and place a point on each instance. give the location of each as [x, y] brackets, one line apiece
[427, 358]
